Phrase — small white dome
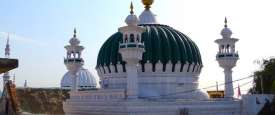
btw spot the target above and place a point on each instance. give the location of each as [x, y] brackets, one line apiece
[226, 32]
[147, 17]
[74, 41]
[85, 80]
[131, 20]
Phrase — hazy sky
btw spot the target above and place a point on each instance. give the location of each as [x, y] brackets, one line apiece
[39, 29]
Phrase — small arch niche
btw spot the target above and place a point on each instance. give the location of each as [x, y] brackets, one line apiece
[132, 38]
[126, 38]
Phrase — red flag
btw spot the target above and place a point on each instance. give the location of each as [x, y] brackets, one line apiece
[239, 91]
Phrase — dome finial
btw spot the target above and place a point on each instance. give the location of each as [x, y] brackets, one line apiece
[225, 22]
[147, 3]
[226, 32]
[132, 18]
[74, 32]
[132, 8]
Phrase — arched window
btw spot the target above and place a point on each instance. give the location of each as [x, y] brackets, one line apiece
[228, 48]
[138, 39]
[126, 38]
[132, 38]
[222, 47]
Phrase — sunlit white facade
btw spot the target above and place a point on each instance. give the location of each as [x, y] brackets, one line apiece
[148, 68]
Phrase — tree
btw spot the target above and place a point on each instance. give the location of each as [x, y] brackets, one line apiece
[264, 80]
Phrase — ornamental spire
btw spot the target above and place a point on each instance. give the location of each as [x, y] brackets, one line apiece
[7, 49]
[131, 7]
[225, 22]
[226, 32]
[132, 18]
[74, 32]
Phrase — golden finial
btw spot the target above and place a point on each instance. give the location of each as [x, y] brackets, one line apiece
[74, 32]
[225, 22]
[131, 7]
[147, 3]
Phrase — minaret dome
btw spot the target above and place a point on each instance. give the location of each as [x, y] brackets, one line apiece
[226, 32]
[74, 40]
[131, 19]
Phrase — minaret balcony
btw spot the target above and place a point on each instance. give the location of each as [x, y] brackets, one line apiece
[74, 60]
[226, 55]
[131, 45]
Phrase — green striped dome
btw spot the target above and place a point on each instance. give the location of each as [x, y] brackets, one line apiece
[161, 43]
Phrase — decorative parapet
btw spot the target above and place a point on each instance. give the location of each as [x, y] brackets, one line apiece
[158, 67]
[99, 95]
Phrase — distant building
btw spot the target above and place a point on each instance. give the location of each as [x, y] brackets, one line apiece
[25, 84]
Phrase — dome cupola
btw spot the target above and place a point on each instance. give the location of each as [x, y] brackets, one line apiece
[226, 32]
[158, 60]
[85, 80]
[74, 41]
[147, 16]
[132, 18]
[163, 44]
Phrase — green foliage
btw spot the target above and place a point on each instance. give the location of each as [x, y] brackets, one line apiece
[265, 79]
[264, 82]
[273, 86]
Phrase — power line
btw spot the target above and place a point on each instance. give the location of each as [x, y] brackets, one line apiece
[244, 84]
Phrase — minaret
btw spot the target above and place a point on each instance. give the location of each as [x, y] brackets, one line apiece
[25, 84]
[74, 61]
[131, 48]
[227, 58]
[7, 49]
[6, 76]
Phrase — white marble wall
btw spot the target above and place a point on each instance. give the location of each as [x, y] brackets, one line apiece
[147, 107]
[252, 104]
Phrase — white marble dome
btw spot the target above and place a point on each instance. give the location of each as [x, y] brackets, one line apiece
[85, 80]
[226, 32]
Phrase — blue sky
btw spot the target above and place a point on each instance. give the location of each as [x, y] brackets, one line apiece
[39, 29]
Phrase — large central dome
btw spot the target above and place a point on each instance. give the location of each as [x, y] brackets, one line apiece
[168, 60]
[162, 43]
